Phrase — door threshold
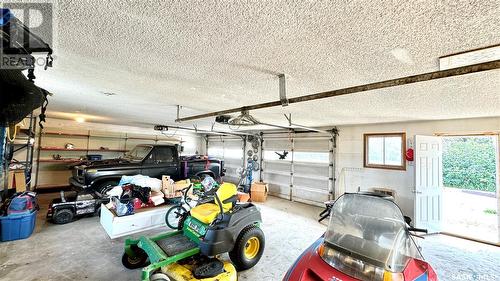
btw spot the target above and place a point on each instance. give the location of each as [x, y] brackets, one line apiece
[468, 238]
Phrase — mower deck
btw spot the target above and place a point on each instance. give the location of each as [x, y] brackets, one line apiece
[175, 245]
[164, 249]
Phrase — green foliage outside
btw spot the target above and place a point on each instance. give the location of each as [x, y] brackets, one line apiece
[490, 211]
[469, 163]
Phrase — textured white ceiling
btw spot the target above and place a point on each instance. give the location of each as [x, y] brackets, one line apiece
[214, 55]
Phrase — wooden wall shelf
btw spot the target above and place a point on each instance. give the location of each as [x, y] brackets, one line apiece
[59, 161]
[81, 149]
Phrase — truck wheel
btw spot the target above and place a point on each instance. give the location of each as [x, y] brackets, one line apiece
[139, 260]
[105, 186]
[248, 248]
[63, 216]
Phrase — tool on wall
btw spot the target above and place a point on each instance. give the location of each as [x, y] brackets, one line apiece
[252, 165]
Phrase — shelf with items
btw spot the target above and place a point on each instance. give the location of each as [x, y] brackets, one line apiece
[60, 160]
[55, 159]
[21, 141]
[64, 134]
[48, 148]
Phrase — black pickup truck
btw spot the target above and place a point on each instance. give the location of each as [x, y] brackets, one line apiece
[150, 160]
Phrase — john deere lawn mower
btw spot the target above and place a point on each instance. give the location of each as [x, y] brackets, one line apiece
[209, 229]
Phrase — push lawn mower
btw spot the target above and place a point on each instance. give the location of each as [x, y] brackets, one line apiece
[210, 229]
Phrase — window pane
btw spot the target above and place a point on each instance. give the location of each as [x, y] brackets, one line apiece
[215, 152]
[233, 153]
[164, 154]
[393, 151]
[376, 150]
[312, 157]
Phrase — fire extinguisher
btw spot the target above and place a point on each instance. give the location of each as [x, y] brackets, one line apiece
[409, 154]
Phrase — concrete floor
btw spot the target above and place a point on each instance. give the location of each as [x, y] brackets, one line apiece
[464, 214]
[82, 250]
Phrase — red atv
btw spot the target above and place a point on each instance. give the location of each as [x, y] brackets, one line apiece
[367, 239]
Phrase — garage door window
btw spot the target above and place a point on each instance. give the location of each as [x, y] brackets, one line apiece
[385, 151]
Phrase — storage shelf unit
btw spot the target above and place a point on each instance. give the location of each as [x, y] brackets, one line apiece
[22, 161]
[54, 173]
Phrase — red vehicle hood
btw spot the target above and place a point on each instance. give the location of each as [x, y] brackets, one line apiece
[311, 267]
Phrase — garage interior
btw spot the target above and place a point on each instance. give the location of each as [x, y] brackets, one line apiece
[312, 101]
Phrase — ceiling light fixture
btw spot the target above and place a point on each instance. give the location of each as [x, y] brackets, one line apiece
[471, 57]
[80, 119]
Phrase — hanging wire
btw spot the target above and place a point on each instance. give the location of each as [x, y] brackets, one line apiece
[175, 132]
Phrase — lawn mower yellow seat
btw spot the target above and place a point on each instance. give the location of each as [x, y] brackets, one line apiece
[227, 196]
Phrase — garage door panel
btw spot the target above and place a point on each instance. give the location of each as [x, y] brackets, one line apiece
[311, 169]
[277, 178]
[314, 184]
[311, 145]
[231, 179]
[310, 196]
[277, 166]
[278, 190]
[231, 151]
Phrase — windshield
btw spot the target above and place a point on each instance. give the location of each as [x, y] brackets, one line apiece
[370, 229]
[138, 153]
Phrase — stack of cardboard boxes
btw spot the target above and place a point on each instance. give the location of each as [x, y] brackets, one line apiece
[173, 189]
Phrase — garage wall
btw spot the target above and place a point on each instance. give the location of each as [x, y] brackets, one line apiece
[351, 174]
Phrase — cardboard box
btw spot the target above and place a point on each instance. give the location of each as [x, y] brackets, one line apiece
[174, 190]
[17, 180]
[258, 191]
[243, 197]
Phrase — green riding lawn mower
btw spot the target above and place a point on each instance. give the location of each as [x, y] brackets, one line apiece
[209, 230]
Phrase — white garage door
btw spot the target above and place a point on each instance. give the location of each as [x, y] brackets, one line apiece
[311, 160]
[310, 168]
[231, 151]
[302, 176]
[276, 172]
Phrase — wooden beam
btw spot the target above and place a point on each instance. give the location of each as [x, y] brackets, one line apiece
[362, 88]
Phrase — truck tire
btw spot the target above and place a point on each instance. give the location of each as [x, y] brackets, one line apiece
[105, 186]
[248, 248]
[63, 216]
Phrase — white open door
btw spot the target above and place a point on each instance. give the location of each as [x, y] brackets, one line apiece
[428, 183]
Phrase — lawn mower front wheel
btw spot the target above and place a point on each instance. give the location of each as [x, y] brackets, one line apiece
[159, 277]
[138, 261]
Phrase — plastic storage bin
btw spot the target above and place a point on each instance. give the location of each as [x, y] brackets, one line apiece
[19, 226]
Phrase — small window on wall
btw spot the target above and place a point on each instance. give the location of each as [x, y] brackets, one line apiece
[385, 151]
